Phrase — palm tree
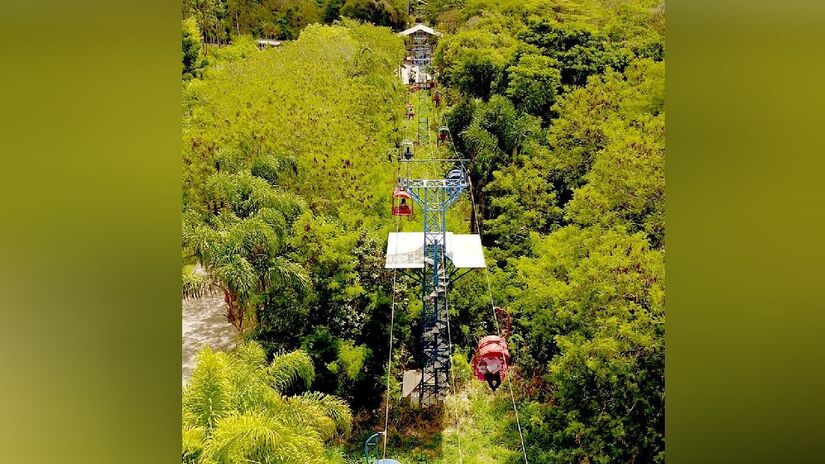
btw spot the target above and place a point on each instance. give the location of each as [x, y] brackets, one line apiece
[240, 244]
[234, 410]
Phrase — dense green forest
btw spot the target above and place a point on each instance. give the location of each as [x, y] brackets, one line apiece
[286, 187]
[219, 21]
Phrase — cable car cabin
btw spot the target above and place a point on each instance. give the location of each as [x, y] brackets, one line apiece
[455, 174]
[370, 445]
[401, 203]
[491, 360]
[406, 150]
[410, 111]
[443, 135]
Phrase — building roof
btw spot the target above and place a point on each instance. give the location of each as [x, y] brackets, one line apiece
[422, 28]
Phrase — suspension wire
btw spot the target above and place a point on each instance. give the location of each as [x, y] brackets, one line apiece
[452, 376]
[450, 346]
[389, 356]
[495, 320]
[486, 269]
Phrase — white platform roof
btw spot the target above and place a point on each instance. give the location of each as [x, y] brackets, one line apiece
[419, 27]
[405, 250]
[270, 42]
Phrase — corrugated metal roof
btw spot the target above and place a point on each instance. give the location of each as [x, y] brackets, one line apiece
[420, 27]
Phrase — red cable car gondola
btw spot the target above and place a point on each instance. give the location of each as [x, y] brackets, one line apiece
[401, 203]
[491, 359]
[443, 135]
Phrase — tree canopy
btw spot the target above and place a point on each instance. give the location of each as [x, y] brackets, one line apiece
[559, 105]
[235, 410]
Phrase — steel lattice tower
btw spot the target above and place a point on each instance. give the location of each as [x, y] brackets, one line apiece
[434, 197]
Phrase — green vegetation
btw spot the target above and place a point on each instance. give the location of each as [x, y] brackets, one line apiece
[193, 62]
[273, 185]
[286, 184]
[285, 197]
[483, 437]
[235, 410]
[221, 21]
[561, 108]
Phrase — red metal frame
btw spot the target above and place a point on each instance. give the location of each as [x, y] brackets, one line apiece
[397, 209]
[494, 347]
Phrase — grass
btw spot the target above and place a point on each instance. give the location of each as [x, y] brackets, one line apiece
[481, 430]
[484, 430]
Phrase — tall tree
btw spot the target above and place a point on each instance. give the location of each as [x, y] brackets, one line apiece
[592, 301]
[533, 83]
[191, 47]
[240, 245]
[392, 13]
[207, 14]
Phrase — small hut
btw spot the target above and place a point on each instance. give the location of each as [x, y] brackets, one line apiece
[268, 43]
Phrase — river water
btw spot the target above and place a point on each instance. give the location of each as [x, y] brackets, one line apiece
[204, 324]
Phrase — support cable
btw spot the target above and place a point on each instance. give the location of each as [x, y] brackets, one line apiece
[452, 375]
[495, 320]
[389, 356]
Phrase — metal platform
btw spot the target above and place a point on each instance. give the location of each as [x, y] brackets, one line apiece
[405, 250]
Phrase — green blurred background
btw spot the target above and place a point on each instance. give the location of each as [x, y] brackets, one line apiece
[745, 191]
[90, 273]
